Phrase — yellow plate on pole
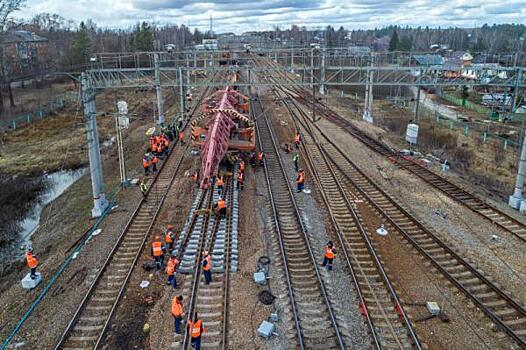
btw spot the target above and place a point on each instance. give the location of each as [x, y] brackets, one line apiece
[150, 131]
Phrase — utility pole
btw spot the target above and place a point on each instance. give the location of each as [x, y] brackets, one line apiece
[181, 94]
[312, 68]
[90, 113]
[158, 90]
[122, 122]
[516, 200]
[368, 103]
[417, 103]
[322, 73]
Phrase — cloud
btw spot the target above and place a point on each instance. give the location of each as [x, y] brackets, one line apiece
[243, 15]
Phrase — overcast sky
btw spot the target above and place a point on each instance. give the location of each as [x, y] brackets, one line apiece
[244, 15]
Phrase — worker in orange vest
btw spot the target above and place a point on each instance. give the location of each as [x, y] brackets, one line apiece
[146, 165]
[240, 178]
[177, 312]
[169, 238]
[300, 180]
[181, 136]
[196, 329]
[220, 184]
[330, 254]
[155, 160]
[261, 155]
[207, 265]
[297, 139]
[171, 268]
[242, 165]
[32, 263]
[221, 206]
[158, 252]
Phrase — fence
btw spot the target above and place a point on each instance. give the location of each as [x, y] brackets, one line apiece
[467, 104]
[486, 131]
[27, 118]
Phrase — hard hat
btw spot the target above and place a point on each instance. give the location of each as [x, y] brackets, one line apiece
[157, 237]
[205, 252]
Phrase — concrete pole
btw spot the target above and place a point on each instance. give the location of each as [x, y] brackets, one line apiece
[158, 89]
[181, 94]
[322, 73]
[417, 103]
[368, 103]
[516, 198]
[97, 183]
[312, 68]
[195, 59]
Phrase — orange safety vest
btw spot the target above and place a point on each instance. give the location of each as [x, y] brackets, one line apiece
[171, 265]
[220, 182]
[145, 163]
[194, 176]
[169, 237]
[221, 204]
[240, 177]
[329, 254]
[157, 248]
[242, 166]
[297, 138]
[177, 308]
[301, 178]
[181, 136]
[208, 263]
[166, 142]
[32, 262]
[155, 160]
[260, 156]
[154, 147]
[195, 328]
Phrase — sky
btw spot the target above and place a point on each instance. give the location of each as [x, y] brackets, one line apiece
[247, 15]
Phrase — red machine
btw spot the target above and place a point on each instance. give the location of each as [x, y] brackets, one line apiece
[223, 126]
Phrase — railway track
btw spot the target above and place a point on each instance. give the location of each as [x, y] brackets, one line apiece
[389, 326]
[208, 232]
[452, 190]
[91, 319]
[314, 319]
[508, 314]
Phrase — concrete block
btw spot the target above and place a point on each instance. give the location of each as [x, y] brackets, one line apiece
[29, 283]
[515, 202]
[433, 308]
[266, 329]
[260, 278]
[522, 207]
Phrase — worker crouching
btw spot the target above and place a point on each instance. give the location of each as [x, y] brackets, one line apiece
[330, 254]
[158, 250]
[221, 207]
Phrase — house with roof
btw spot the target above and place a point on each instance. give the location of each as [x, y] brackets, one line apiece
[22, 52]
[428, 60]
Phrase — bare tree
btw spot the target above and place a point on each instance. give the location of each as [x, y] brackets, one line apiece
[7, 7]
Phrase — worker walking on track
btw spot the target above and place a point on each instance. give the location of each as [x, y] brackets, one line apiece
[169, 238]
[155, 160]
[207, 265]
[144, 189]
[330, 254]
[297, 139]
[158, 252]
[242, 165]
[171, 268]
[261, 156]
[196, 329]
[177, 313]
[300, 180]
[221, 206]
[32, 263]
[240, 180]
[296, 159]
[220, 184]
[146, 165]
